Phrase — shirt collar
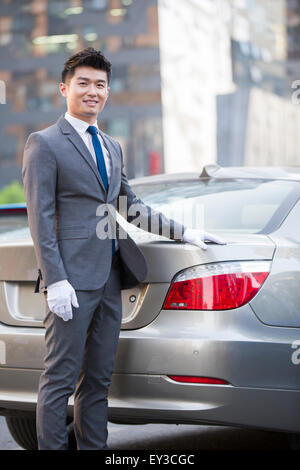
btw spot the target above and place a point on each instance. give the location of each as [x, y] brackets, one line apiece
[79, 125]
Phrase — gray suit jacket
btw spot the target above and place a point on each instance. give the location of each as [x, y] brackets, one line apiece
[63, 190]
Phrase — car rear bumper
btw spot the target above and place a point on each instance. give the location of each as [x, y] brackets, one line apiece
[169, 402]
[255, 359]
[138, 398]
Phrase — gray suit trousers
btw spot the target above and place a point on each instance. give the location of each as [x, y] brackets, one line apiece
[79, 359]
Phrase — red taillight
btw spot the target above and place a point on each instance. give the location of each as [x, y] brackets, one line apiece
[13, 211]
[217, 286]
[197, 380]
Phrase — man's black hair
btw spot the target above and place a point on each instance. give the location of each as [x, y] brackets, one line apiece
[89, 57]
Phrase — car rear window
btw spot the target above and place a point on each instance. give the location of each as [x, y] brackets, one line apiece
[233, 205]
[237, 205]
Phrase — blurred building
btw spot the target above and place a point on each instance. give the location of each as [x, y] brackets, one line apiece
[195, 58]
[227, 69]
[258, 123]
[36, 38]
[193, 82]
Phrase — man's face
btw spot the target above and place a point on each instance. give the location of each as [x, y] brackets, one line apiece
[86, 93]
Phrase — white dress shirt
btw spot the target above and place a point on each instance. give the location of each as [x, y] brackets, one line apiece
[81, 127]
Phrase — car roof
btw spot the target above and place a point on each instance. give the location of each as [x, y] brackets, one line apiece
[216, 171]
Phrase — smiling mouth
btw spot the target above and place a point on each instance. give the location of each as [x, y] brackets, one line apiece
[90, 102]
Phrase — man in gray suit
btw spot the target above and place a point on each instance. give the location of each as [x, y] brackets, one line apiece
[70, 171]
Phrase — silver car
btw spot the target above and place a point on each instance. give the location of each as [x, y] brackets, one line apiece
[210, 337]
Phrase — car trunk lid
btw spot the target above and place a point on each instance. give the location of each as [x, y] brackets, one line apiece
[19, 305]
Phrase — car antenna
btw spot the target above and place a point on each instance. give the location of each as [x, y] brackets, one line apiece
[208, 171]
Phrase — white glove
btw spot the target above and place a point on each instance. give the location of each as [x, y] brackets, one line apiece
[197, 237]
[61, 296]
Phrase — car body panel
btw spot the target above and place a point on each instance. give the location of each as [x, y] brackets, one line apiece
[143, 398]
[278, 303]
[232, 345]
[251, 347]
[19, 305]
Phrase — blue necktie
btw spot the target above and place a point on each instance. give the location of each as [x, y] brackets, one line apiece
[100, 163]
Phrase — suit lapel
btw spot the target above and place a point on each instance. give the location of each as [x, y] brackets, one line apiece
[80, 146]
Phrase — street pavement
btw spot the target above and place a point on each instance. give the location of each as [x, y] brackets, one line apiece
[177, 437]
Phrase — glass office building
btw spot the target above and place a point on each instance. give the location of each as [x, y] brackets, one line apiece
[228, 69]
[193, 82]
[36, 38]
[259, 121]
